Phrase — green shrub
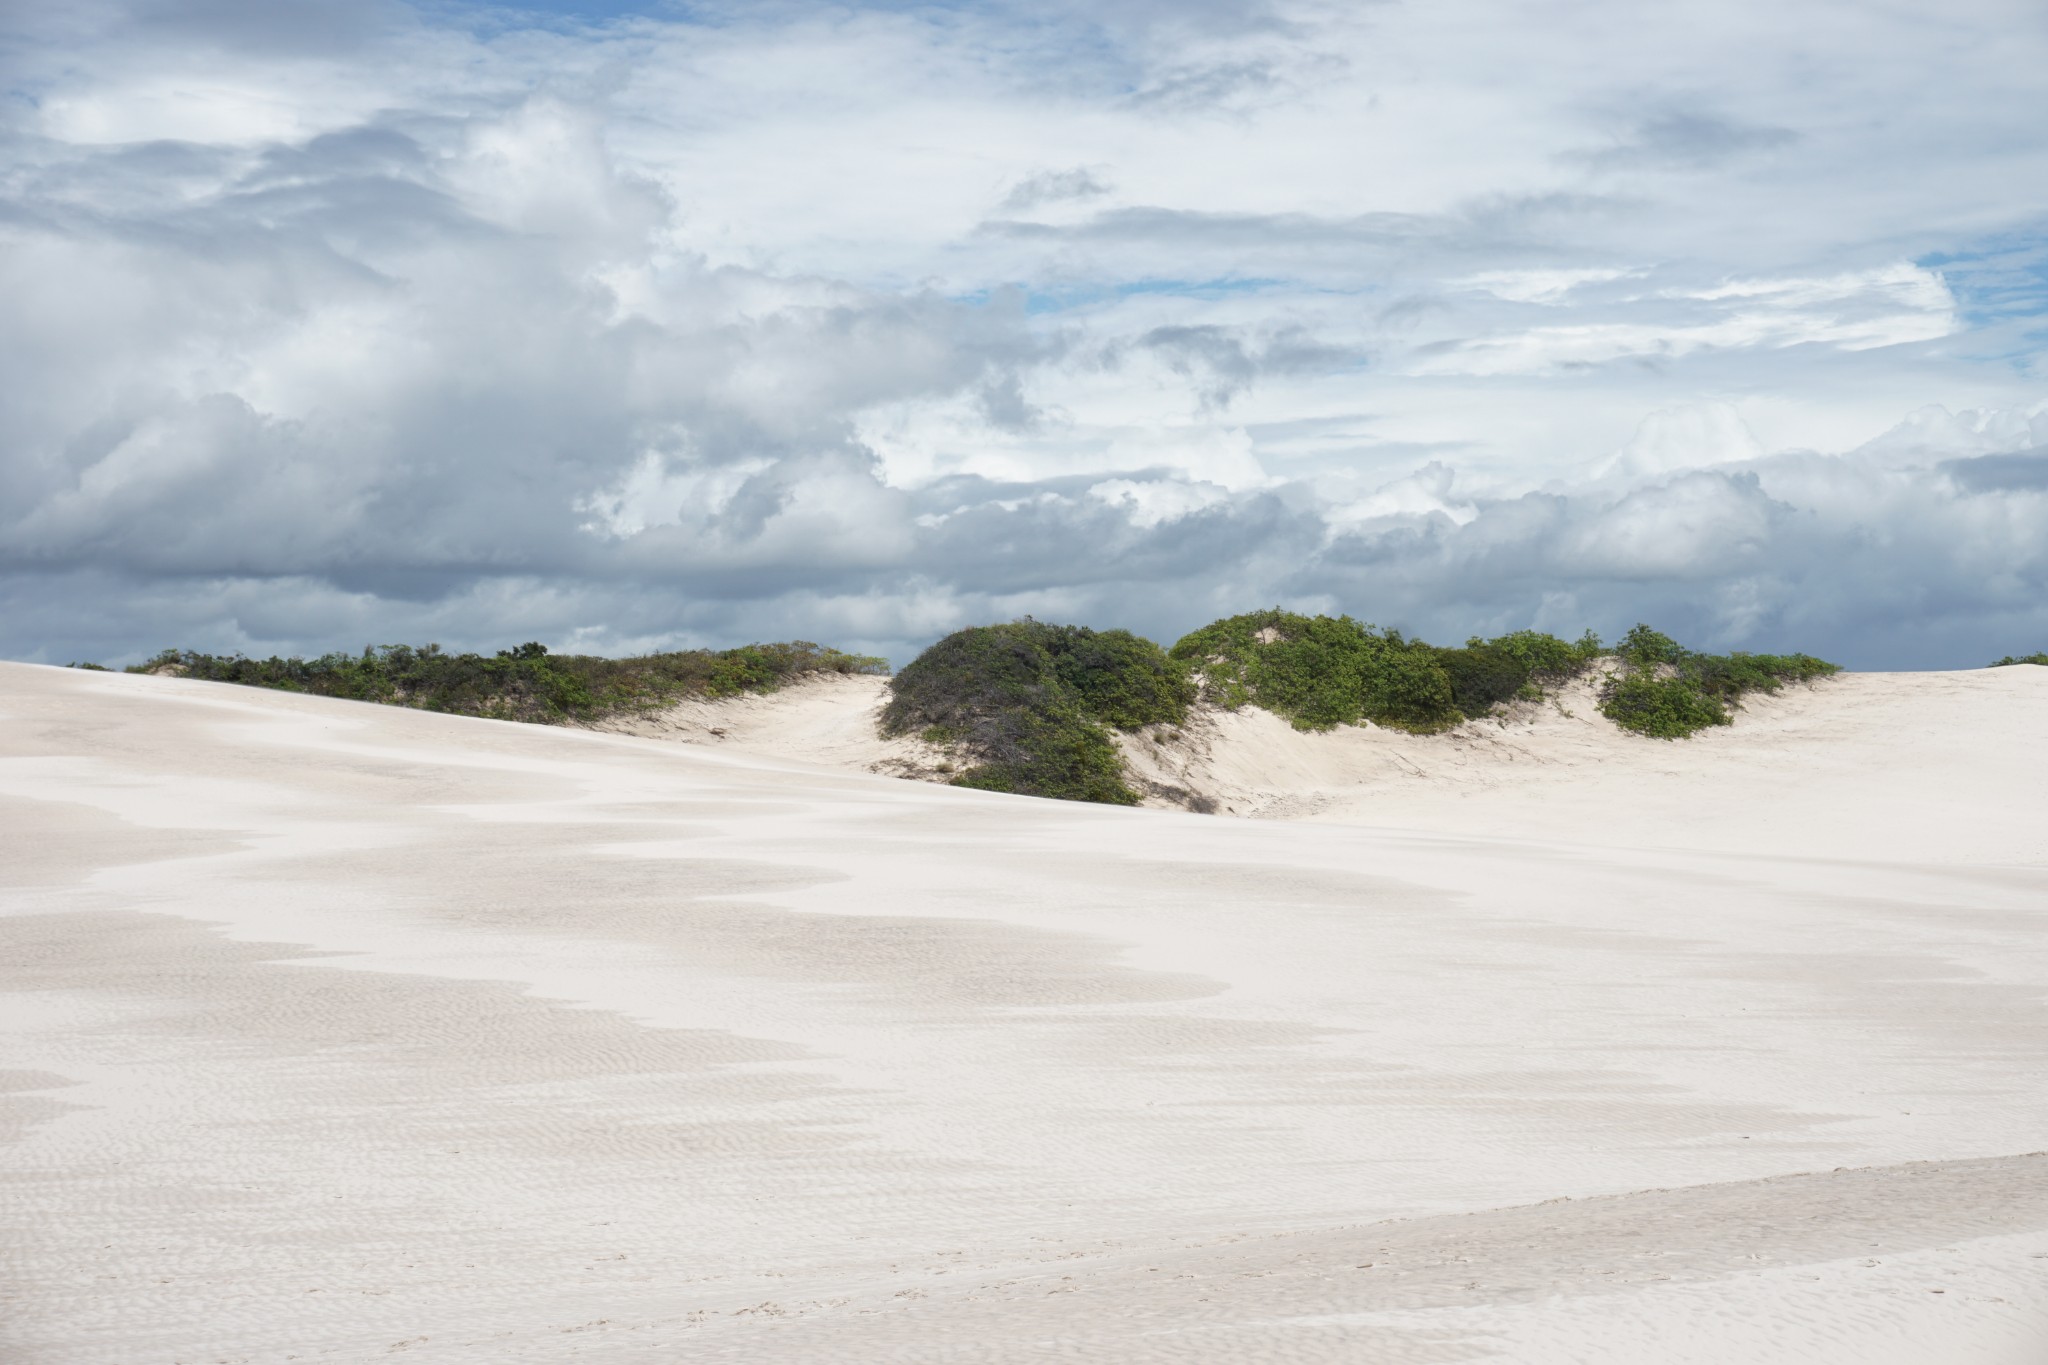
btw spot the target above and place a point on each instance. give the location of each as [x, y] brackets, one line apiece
[1405, 687]
[2006, 662]
[1314, 671]
[526, 682]
[1547, 659]
[1061, 754]
[1518, 666]
[1662, 708]
[1322, 671]
[1667, 691]
[1122, 679]
[1032, 704]
[1646, 648]
[1481, 676]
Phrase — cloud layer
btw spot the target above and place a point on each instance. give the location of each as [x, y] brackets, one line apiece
[339, 324]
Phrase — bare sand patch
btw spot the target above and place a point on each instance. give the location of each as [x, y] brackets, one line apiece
[828, 718]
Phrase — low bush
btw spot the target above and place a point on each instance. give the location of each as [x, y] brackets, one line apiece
[2011, 659]
[1666, 691]
[1314, 671]
[1061, 754]
[1031, 705]
[1662, 708]
[1322, 671]
[1518, 666]
[526, 683]
[1482, 676]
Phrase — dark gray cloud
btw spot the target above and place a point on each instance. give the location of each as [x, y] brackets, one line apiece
[2025, 471]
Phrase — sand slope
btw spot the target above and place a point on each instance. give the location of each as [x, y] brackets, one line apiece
[831, 719]
[1936, 765]
[342, 1032]
[1886, 765]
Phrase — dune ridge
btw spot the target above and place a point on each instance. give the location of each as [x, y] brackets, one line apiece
[1862, 764]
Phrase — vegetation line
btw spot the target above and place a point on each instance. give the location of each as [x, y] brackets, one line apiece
[1323, 671]
[1032, 707]
[527, 683]
[1667, 691]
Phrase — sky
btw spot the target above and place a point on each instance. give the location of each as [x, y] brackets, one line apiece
[626, 327]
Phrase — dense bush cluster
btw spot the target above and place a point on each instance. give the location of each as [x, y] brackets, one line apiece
[1322, 671]
[1667, 691]
[2010, 659]
[526, 683]
[1031, 705]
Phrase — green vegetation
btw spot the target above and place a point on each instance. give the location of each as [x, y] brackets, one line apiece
[1034, 708]
[1320, 671]
[1032, 705]
[526, 683]
[1667, 691]
[2010, 659]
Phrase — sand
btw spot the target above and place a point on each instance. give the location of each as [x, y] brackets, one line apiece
[1798, 773]
[342, 1032]
[829, 719]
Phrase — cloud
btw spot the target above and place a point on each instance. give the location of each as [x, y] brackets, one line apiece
[1483, 227]
[332, 325]
[1540, 286]
[1150, 503]
[1223, 362]
[1053, 187]
[1696, 436]
[1857, 556]
[1208, 87]
[2027, 471]
[1890, 305]
[1686, 140]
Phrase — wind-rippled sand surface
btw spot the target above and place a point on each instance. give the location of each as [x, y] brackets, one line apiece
[348, 1033]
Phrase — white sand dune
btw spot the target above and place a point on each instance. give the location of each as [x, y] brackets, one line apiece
[1882, 765]
[343, 1032]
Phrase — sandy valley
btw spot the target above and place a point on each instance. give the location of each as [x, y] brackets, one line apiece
[339, 1032]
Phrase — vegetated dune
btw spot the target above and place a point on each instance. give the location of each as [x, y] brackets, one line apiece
[1858, 765]
[340, 1031]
